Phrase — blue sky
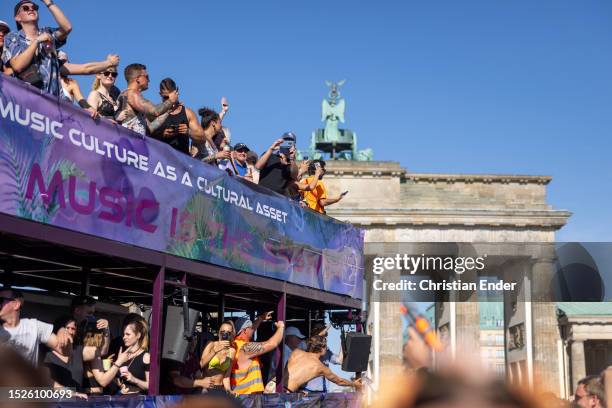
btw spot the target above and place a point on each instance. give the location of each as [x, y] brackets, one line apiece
[472, 86]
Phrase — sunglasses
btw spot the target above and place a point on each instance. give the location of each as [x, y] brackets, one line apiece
[27, 8]
[110, 73]
[144, 75]
[241, 151]
[225, 332]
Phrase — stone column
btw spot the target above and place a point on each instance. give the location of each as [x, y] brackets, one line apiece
[467, 320]
[578, 362]
[545, 326]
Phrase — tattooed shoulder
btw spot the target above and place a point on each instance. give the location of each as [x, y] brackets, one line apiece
[252, 348]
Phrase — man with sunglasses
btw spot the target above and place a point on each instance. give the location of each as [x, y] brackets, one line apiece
[25, 335]
[239, 155]
[181, 124]
[135, 109]
[31, 51]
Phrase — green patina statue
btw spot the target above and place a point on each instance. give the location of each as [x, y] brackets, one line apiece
[338, 144]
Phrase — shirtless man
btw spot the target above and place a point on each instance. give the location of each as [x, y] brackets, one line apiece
[303, 366]
[135, 108]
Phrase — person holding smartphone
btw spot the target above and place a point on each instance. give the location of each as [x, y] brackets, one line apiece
[217, 359]
[317, 199]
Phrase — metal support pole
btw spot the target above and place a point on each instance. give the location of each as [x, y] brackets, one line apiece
[156, 330]
[8, 277]
[85, 280]
[278, 355]
[221, 310]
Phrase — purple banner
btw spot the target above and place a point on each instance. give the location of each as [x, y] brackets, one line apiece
[60, 167]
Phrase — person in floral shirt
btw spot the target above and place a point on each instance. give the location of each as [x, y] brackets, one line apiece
[31, 52]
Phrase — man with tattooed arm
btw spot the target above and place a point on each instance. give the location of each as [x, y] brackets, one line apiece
[135, 108]
[246, 375]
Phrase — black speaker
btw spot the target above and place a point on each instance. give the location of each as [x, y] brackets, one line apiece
[356, 352]
[175, 344]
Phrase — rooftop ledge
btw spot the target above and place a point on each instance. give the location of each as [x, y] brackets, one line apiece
[394, 169]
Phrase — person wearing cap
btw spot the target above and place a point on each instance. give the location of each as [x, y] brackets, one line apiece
[26, 335]
[316, 198]
[239, 156]
[4, 30]
[294, 339]
[31, 51]
[277, 170]
[83, 309]
[246, 377]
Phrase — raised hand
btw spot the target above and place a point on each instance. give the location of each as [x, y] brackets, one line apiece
[44, 37]
[123, 357]
[102, 324]
[276, 144]
[63, 338]
[113, 59]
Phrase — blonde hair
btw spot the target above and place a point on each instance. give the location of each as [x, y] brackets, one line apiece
[96, 84]
[140, 327]
[92, 339]
[231, 324]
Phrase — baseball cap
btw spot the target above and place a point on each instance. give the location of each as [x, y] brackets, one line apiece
[243, 323]
[241, 146]
[294, 331]
[289, 136]
[5, 27]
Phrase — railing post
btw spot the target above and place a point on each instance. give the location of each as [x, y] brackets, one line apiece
[8, 277]
[156, 335]
[278, 355]
[221, 310]
[85, 280]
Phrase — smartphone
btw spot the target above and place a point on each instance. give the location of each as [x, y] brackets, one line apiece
[285, 150]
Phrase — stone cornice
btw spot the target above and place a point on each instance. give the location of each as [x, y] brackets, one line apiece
[548, 219]
[476, 178]
[359, 169]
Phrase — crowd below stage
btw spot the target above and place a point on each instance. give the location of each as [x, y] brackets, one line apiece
[79, 353]
[33, 55]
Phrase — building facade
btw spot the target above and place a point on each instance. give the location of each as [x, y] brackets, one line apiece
[398, 207]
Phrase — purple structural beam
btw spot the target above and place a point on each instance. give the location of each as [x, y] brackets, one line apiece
[156, 330]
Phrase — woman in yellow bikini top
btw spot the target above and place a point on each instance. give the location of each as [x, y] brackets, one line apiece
[217, 357]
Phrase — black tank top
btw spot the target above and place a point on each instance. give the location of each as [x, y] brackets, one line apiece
[138, 368]
[179, 142]
[107, 106]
